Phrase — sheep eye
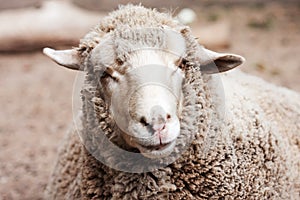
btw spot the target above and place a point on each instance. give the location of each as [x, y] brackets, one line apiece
[109, 72]
[105, 75]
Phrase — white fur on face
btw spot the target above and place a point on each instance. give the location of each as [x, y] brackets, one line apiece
[146, 94]
[146, 102]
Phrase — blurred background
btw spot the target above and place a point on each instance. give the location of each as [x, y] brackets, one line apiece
[36, 94]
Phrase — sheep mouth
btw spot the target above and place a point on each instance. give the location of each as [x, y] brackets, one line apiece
[156, 147]
[157, 151]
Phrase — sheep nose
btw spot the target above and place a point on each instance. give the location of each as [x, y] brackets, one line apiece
[158, 119]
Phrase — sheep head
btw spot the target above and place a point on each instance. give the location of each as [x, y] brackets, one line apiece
[141, 74]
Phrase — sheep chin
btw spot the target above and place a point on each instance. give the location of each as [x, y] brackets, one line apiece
[156, 154]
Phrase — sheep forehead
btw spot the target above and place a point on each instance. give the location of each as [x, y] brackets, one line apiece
[131, 44]
[164, 39]
[151, 57]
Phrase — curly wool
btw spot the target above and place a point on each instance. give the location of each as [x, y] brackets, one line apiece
[250, 152]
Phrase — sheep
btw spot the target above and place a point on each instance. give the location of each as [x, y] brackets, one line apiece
[182, 138]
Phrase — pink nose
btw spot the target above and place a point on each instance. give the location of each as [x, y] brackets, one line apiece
[159, 127]
[158, 119]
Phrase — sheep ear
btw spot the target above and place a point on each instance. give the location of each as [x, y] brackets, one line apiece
[67, 58]
[219, 62]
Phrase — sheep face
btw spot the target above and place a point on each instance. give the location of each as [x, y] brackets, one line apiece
[146, 102]
[144, 93]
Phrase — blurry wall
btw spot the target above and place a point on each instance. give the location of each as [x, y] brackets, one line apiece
[9, 4]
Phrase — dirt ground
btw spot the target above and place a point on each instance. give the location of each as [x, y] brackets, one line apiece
[36, 94]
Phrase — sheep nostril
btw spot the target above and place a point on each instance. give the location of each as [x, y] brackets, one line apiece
[144, 121]
[168, 116]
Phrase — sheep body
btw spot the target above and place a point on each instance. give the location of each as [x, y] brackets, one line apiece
[252, 151]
